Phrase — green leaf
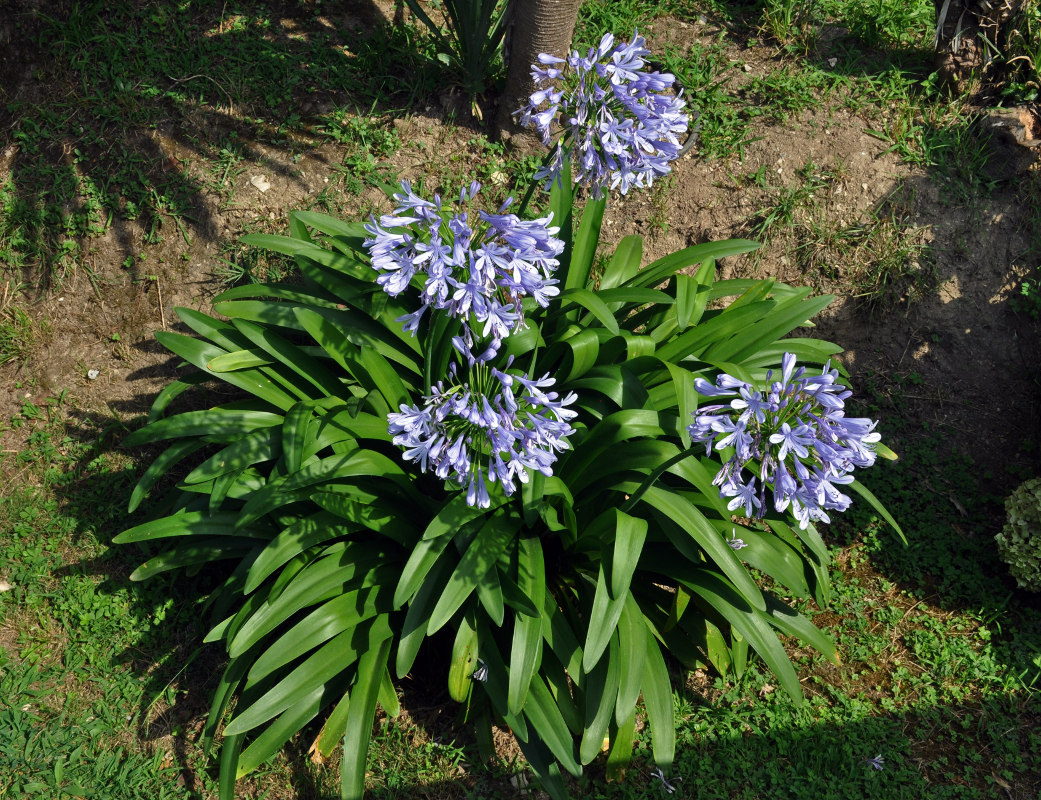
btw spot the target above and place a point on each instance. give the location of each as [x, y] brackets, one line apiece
[414, 628]
[545, 717]
[660, 270]
[163, 463]
[359, 720]
[491, 597]
[215, 422]
[586, 240]
[621, 752]
[624, 264]
[630, 534]
[866, 493]
[464, 659]
[593, 304]
[290, 722]
[316, 670]
[480, 557]
[690, 521]
[295, 539]
[600, 693]
[603, 621]
[329, 577]
[632, 650]
[657, 699]
[526, 650]
[330, 619]
[240, 359]
[252, 448]
[753, 625]
[187, 523]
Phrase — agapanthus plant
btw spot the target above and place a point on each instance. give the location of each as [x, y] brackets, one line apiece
[793, 437]
[574, 539]
[618, 123]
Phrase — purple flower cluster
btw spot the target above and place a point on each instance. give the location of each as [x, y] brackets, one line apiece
[794, 439]
[474, 269]
[487, 425]
[621, 127]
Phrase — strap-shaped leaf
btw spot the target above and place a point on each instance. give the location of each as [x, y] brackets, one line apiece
[326, 578]
[188, 523]
[593, 304]
[359, 719]
[480, 557]
[163, 463]
[328, 620]
[690, 522]
[784, 318]
[491, 597]
[526, 650]
[657, 699]
[629, 535]
[188, 554]
[545, 718]
[561, 640]
[753, 625]
[866, 493]
[662, 269]
[335, 725]
[329, 660]
[261, 445]
[214, 422]
[600, 693]
[240, 359]
[294, 435]
[173, 390]
[275, 735]
[229, 759]
[201, 353]
[292, 540]
[624, 264]
[417, 618]
[632, 635]
[331, 226]
[789, 621]
[418, 566]
[719, 328]
[603, 622]
[586, 240]
[621, 752]
[465, 650]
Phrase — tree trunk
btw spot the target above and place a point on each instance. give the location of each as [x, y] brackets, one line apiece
[961, 27]
[538, 26]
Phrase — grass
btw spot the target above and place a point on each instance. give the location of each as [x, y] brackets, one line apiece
[941, 668]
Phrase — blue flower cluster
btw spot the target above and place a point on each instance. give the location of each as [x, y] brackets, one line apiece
[621, 126]
[480, 424]
[475, 269]
[793, 438]
[488, 423]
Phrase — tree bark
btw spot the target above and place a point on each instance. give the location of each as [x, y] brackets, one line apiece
[538, 26]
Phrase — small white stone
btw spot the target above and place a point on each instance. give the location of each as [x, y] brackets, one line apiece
[260, 182]
[832, 62]
[5, 586]
[92, 374]
[746, 67]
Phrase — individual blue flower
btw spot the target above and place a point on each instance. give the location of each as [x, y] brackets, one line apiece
[621, 125]
[483, 425]
[474, 266]
[791, 438]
